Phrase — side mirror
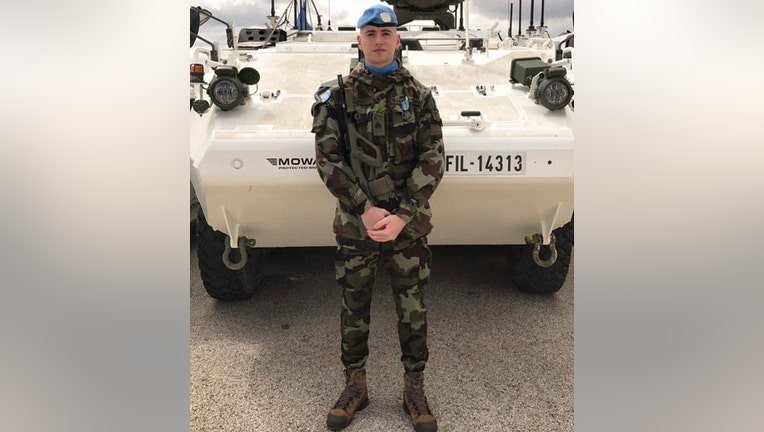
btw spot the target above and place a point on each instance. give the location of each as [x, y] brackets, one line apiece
[200, 16]
[194, 25]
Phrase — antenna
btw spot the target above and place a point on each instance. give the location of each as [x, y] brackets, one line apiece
[461, 16]
[272, 18]
[511, 6]
[530, 27]
[330, 16]
[295, 14]
[520, 19]
[542, 12]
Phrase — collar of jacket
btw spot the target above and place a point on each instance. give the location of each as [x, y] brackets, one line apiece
[362, 75]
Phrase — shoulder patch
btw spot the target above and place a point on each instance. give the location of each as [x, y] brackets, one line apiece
[323, 94]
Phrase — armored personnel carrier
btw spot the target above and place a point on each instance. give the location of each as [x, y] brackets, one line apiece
[507, 110]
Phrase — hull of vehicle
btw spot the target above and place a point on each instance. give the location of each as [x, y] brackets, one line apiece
[509, 170]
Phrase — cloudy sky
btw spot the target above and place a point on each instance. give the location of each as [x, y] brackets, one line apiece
[483, 14]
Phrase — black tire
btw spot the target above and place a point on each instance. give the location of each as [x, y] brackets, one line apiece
[531, 278]
[221, 282]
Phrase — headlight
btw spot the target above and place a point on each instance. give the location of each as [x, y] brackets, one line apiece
[555, 93]
[551, 89]
[226, 92]
[226, 89]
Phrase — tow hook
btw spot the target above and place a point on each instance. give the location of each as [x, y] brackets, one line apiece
[244, 243]
[536, 240]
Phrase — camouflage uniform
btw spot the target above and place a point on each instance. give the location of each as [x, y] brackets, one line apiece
[398, 114]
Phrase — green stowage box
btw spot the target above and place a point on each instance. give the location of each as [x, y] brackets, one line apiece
[522, 70]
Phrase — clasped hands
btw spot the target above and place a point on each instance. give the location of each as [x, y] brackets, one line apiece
[381, 225]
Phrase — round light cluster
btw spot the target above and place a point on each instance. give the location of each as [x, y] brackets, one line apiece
[226, 92]
[229, 87]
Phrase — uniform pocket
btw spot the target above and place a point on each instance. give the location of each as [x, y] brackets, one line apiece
[319, 113]
[404, 132]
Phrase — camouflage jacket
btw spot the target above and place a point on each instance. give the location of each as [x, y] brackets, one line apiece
[398, 114]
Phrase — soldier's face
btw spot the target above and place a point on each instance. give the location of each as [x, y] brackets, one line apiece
[378, 44]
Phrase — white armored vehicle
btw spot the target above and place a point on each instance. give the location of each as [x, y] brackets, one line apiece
[507, 115]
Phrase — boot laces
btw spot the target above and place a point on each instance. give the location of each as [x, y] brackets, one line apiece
[348, 395]
[419, 401]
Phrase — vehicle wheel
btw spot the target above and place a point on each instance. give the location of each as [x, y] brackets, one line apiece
[531, 278]
[221, 282]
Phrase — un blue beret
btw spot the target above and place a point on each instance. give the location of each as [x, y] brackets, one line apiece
[378, 16]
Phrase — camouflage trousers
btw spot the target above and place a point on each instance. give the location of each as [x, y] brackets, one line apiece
[407, 262]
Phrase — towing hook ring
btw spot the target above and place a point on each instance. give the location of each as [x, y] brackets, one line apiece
[537, 247]
[242, 251]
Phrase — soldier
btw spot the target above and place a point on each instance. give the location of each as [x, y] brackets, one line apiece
[379, 150]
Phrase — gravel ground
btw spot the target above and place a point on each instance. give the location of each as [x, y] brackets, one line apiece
[500, 360]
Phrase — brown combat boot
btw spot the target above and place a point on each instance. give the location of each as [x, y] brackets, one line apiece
[415, 403]
[354, 398]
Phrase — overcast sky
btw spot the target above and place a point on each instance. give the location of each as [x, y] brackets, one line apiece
[483, 14]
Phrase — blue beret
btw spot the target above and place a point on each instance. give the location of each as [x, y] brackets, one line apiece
[378, 16]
